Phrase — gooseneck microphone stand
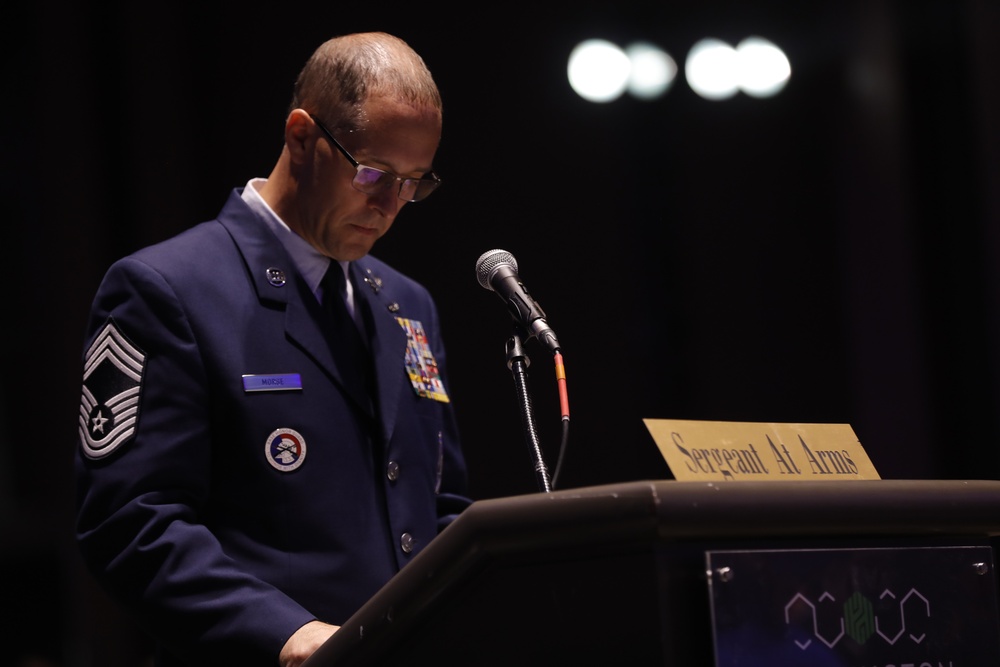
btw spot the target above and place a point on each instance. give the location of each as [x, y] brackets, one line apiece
[518, 364]
[496, 270]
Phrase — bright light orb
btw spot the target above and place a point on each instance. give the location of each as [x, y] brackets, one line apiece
[712, 69]
[598, 70]
[653, 70]
[763, 67]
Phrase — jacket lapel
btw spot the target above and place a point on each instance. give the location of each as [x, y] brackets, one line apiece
[278, 284]
[388, 341]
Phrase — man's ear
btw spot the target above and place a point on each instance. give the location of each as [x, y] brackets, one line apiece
[300, 135]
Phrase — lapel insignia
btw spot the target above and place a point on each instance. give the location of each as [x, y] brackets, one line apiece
[109, 402]
[276, 276]
[373, 281]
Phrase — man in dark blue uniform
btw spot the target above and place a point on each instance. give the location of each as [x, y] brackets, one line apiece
[266, 435]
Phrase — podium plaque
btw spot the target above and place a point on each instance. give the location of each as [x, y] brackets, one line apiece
[850, 607]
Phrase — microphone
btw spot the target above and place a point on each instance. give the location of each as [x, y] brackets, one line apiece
[496, 271]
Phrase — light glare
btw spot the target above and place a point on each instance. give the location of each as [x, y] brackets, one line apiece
[598, 70]
[764, 68]
[712, 69]
[653, 70]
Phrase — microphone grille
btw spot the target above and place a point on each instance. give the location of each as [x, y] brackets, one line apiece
[489, 261]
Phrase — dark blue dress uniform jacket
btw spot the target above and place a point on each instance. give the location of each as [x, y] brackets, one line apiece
[184, 512]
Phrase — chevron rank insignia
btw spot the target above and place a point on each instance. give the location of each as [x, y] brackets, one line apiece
[109, 405]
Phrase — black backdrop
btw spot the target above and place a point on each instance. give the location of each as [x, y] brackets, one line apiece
[828, 255]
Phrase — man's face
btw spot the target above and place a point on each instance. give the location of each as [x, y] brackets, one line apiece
[342, 222]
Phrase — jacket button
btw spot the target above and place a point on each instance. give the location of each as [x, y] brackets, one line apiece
[407, 542]
[392, 471]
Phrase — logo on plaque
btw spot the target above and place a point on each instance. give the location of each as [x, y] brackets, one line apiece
[933, 606]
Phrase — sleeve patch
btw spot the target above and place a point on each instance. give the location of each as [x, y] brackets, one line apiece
[109, 402]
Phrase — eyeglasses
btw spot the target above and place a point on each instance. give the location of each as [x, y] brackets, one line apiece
[372, 181]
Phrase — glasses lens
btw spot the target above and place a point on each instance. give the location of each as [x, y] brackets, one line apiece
[416, 189]
[371, 180]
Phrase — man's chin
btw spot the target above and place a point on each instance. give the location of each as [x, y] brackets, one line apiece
[354, 251]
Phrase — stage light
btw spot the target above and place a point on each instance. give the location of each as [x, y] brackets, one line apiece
[601, 71]
[763, 67]
[652, 72]
[712, 69]
[598, 70]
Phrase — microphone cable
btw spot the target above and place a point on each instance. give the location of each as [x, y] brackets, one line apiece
[560, 369]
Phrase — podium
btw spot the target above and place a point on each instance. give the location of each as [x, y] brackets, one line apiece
[693, 573]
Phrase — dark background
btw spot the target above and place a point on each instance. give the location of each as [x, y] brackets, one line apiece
[827, 255]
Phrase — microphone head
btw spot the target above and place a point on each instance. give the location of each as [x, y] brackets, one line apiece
[489, 262]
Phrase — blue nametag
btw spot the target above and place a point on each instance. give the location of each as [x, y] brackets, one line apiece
[276, 382]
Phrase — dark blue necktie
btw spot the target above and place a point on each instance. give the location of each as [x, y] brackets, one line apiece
[349, 348]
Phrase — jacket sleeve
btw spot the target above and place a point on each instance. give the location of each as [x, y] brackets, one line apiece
[143, 473]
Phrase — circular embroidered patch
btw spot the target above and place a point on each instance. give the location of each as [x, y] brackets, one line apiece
[285, 449]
